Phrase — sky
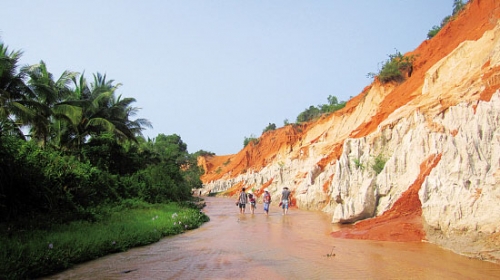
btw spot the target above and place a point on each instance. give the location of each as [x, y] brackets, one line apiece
[217, 71]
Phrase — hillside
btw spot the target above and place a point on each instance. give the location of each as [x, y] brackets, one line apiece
[436, 135]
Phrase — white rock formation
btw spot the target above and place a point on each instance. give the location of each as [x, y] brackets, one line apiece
[462, 193]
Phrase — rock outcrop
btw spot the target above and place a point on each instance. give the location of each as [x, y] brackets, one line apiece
[417, 160]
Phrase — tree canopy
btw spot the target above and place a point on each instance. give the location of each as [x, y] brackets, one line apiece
[67, 145]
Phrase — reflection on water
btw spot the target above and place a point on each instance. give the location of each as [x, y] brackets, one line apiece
[296, 246]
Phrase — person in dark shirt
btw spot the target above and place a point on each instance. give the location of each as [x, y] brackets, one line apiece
[242, 201]
[285, 200]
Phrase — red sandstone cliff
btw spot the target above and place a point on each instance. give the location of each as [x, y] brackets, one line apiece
[437, 131]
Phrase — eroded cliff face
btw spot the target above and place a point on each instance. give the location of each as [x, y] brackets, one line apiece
[436, 135]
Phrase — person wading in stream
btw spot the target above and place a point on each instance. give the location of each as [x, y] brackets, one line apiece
[242, 201]
[266, 199]
[253, 201]
[285, 199]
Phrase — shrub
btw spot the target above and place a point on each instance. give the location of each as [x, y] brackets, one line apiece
[203, 153]
[251, 139]
[358, 164]
[36, 180]
[309, 114]
[394, 68]
[314, 112]
[379, 163]
[436, 28]
[158, 184]
[269, 127]
[458, 6]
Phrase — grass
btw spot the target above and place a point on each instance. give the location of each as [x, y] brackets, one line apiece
[358, 164]
[27, 254]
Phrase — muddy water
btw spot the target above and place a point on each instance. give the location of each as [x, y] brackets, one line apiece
[296, 246]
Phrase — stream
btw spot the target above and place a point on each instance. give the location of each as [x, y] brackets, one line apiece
[295, 246]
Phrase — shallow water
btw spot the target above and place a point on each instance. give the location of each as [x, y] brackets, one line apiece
[296, 246]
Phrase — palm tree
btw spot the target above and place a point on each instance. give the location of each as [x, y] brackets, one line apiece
[120, 111]
[46, 110]
[103, 113]
[12, 89]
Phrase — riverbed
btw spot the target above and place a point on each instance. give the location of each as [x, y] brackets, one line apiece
[294, 246]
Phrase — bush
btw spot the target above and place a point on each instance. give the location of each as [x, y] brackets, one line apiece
[269, 127]
[314, 112]
[379, 163]
[458, 6]
[394, 68]
[44, 181]
[157, 184]
[358, 164]
[434, 30]
[308, 114]
[251, 139]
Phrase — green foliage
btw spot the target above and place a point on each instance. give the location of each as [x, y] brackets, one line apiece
[104, 152]
[84, 155]
[157, 183]
[192, 172]
[434, 30]
[332, 106]
[394, 67]
[47, 181]
[169, 147]
[309, 114]
[379, 163]
[63, 112]
[269, 127]
[170, 150]
[358, 164]
[313, 112]
[203, 153]
[251, 139]
[29, 254]
[84, 149]
[458, 6]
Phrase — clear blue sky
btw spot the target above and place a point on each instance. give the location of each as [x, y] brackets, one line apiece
[215, 72]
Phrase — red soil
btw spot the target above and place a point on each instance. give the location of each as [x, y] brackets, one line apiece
[477, 18]
[402, 222]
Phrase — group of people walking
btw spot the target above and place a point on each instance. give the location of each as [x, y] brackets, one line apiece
[249, 198]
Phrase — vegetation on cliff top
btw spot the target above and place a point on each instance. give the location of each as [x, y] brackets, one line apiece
[395, 69]
[458, 6]
[309, 114]
[398, 66]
